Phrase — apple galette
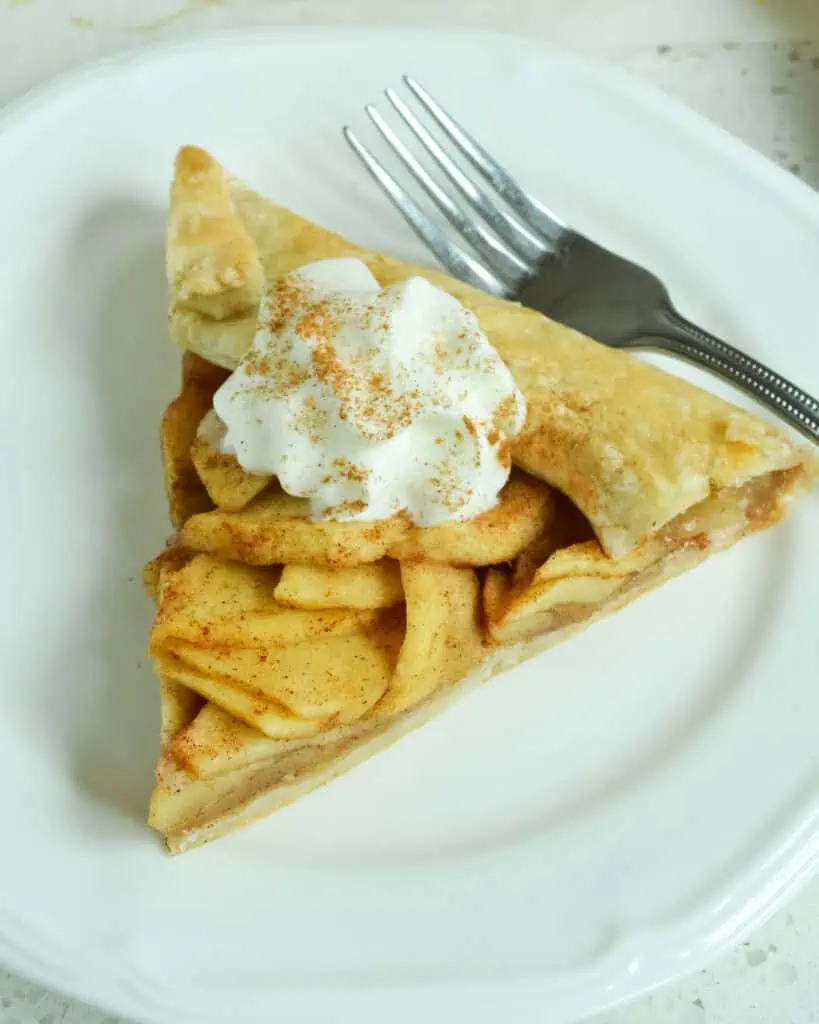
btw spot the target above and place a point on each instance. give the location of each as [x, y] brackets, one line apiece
[387, 487]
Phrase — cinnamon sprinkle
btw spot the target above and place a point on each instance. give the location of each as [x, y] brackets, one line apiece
[345, 508]
[349, 471]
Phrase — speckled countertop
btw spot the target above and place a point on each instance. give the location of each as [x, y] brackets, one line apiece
[750, 65]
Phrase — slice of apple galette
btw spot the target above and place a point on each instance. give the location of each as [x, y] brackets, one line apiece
[388, 487]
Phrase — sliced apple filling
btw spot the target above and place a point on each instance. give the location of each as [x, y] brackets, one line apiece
[276, 528]
[580, 581]
[185, 491]
[227, 484]
[275, 690]
[374, 585]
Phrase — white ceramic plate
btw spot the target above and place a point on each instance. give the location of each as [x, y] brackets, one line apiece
[585, 827]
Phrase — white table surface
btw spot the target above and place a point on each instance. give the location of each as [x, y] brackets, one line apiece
[752, 66]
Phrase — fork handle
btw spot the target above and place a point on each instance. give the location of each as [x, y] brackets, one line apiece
[680, 337]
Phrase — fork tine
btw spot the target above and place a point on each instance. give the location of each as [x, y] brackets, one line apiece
[451, 256]
[532, 211]
[495, 253]
[502, 223]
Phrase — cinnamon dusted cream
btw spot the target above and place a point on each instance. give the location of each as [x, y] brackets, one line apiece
[372, 402]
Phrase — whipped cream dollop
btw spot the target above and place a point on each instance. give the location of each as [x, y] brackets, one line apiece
[372, 401]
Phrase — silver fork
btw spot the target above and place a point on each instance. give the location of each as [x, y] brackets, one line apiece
[530, 255]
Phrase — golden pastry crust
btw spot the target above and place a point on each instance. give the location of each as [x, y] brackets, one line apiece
[212, 263]
[632, 446]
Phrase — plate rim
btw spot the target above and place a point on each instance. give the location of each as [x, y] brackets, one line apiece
[39, 94]
[790, 856]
